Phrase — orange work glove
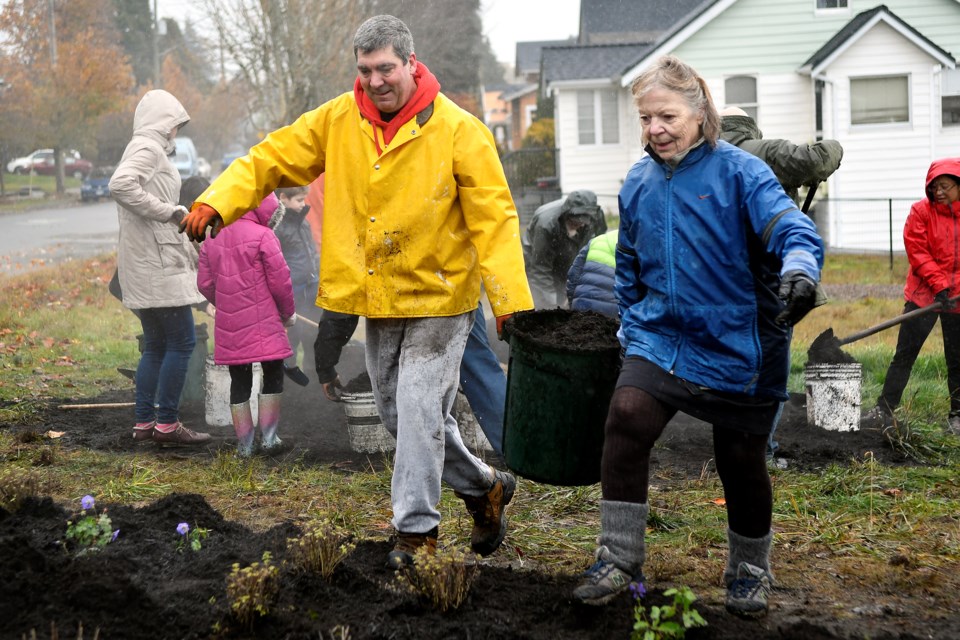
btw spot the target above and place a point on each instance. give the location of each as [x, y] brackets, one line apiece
[196, 222]
[500, 321]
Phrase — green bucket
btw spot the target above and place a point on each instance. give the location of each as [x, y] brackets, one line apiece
[562, 370]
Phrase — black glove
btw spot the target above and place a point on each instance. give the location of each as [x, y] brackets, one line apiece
[799, 292]
[943, 298]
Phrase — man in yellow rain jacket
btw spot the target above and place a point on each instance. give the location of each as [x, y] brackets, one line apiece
[417, 215]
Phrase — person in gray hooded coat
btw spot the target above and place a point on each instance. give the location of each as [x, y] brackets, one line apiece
[157, 267]
[555, 235]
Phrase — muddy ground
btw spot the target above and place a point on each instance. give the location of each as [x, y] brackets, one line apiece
[138, 588]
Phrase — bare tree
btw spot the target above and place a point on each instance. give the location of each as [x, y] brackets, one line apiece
[291, 55]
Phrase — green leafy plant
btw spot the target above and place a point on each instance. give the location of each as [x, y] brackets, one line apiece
[91, 532]
[252, 591]
[669, 622]
[320, 549]
[443, 579]
[190, 538]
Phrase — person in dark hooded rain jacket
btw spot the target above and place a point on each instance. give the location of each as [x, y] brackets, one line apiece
[555, 235]
[931, 236]
[157, 267]
[795, 165]
[243, 274]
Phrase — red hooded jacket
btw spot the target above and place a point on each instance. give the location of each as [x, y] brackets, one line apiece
[931, 236]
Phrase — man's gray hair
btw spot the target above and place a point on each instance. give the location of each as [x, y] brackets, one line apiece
[384, 31]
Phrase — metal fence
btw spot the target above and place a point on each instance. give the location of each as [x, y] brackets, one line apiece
[531, 174]
[862, 225]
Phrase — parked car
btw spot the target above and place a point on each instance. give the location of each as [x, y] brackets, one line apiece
[97, 184]
[41, 162]
[185, 159]
[203, 168]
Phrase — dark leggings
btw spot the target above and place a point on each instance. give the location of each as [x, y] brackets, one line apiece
[241, 380]
[635, 422]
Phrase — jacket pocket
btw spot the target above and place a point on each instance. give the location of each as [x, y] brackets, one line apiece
[174, 256]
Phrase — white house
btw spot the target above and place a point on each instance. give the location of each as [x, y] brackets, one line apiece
[880, 78]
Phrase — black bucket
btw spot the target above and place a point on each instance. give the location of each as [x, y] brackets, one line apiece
[563, 367]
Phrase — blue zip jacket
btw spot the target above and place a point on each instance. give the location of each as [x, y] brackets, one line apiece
[699, 258]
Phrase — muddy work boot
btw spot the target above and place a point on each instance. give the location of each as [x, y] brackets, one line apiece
[747, 595]
[144, 430]
[877, 417]
[489, 519]
[407, 544]
[603, 581]
[176, 433]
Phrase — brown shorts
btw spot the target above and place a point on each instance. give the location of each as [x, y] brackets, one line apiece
[723, 409]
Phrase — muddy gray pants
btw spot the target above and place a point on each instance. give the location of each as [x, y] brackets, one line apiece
[414, 366]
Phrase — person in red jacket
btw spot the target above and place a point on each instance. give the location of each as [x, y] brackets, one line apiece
[244, 275]
[931, 236]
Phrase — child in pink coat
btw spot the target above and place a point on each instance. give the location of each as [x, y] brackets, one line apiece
[244, 276]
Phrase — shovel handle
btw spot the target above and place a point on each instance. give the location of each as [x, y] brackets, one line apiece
[310, 322]
[922, 311]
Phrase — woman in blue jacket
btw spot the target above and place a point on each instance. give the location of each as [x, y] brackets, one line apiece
[715, 264]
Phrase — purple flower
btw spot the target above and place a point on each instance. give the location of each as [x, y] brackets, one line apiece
[87, 502]
[637, 590]
[115, 534]
[183, 528]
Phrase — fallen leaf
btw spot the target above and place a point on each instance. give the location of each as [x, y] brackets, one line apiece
[719, 501]
[55, 434]
[892, 492]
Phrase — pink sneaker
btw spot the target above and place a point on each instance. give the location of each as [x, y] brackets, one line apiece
[179, 435]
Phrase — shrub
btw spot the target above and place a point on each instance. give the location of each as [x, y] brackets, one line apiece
[320, 549]
[252, 591]
[442, 579]
[16, 485]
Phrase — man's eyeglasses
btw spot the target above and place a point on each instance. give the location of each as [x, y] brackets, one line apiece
[943, 187]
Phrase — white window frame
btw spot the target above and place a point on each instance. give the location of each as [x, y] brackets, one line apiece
[831, 11]
[598, 117]
[949, 88]
[899, 123]
[752, 108]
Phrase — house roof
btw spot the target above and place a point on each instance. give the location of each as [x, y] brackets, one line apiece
[587, 62]
[861, 24]
[517, 91]
[528, 54]
[615, 21]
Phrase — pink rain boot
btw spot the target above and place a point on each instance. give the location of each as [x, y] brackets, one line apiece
[269, 420]
[243, 425]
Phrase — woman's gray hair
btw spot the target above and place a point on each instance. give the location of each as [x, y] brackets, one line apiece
[384, 31]
[672, 74]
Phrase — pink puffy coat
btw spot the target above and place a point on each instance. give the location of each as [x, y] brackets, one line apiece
[243, 274]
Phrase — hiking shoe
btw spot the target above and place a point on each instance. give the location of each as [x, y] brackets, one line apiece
[747, 595]
[489, 520]
[953, 425]
[296, 375]
[180, 435]
[407, 545]
[878, 417]
[603, 581]
[144, 430]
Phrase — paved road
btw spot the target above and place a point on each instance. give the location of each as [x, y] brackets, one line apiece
[46, 236]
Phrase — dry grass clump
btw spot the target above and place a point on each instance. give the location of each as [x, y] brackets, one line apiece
[16, 485]
[443, 579]
[252, 591]
[320, 549]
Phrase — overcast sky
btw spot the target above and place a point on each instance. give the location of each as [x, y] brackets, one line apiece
[504, 21]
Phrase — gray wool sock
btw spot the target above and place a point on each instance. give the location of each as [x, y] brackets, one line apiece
[755, 551]
[622, 527]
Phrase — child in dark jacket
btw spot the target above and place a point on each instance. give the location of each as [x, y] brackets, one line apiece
[300, 252]
[243, 274]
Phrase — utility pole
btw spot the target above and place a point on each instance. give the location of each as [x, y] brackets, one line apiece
[57, 151]
[157, 82]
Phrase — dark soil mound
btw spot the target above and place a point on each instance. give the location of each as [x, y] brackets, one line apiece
[563, 330]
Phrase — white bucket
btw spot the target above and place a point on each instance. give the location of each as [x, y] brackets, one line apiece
[364, 428]
[218, 393]
[368, 435]
[833, 396]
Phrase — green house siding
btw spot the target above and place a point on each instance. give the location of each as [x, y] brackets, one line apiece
[778, 36]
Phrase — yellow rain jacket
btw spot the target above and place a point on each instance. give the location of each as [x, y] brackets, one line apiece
[409, 233]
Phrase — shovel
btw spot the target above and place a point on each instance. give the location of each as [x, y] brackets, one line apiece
[826, 346]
